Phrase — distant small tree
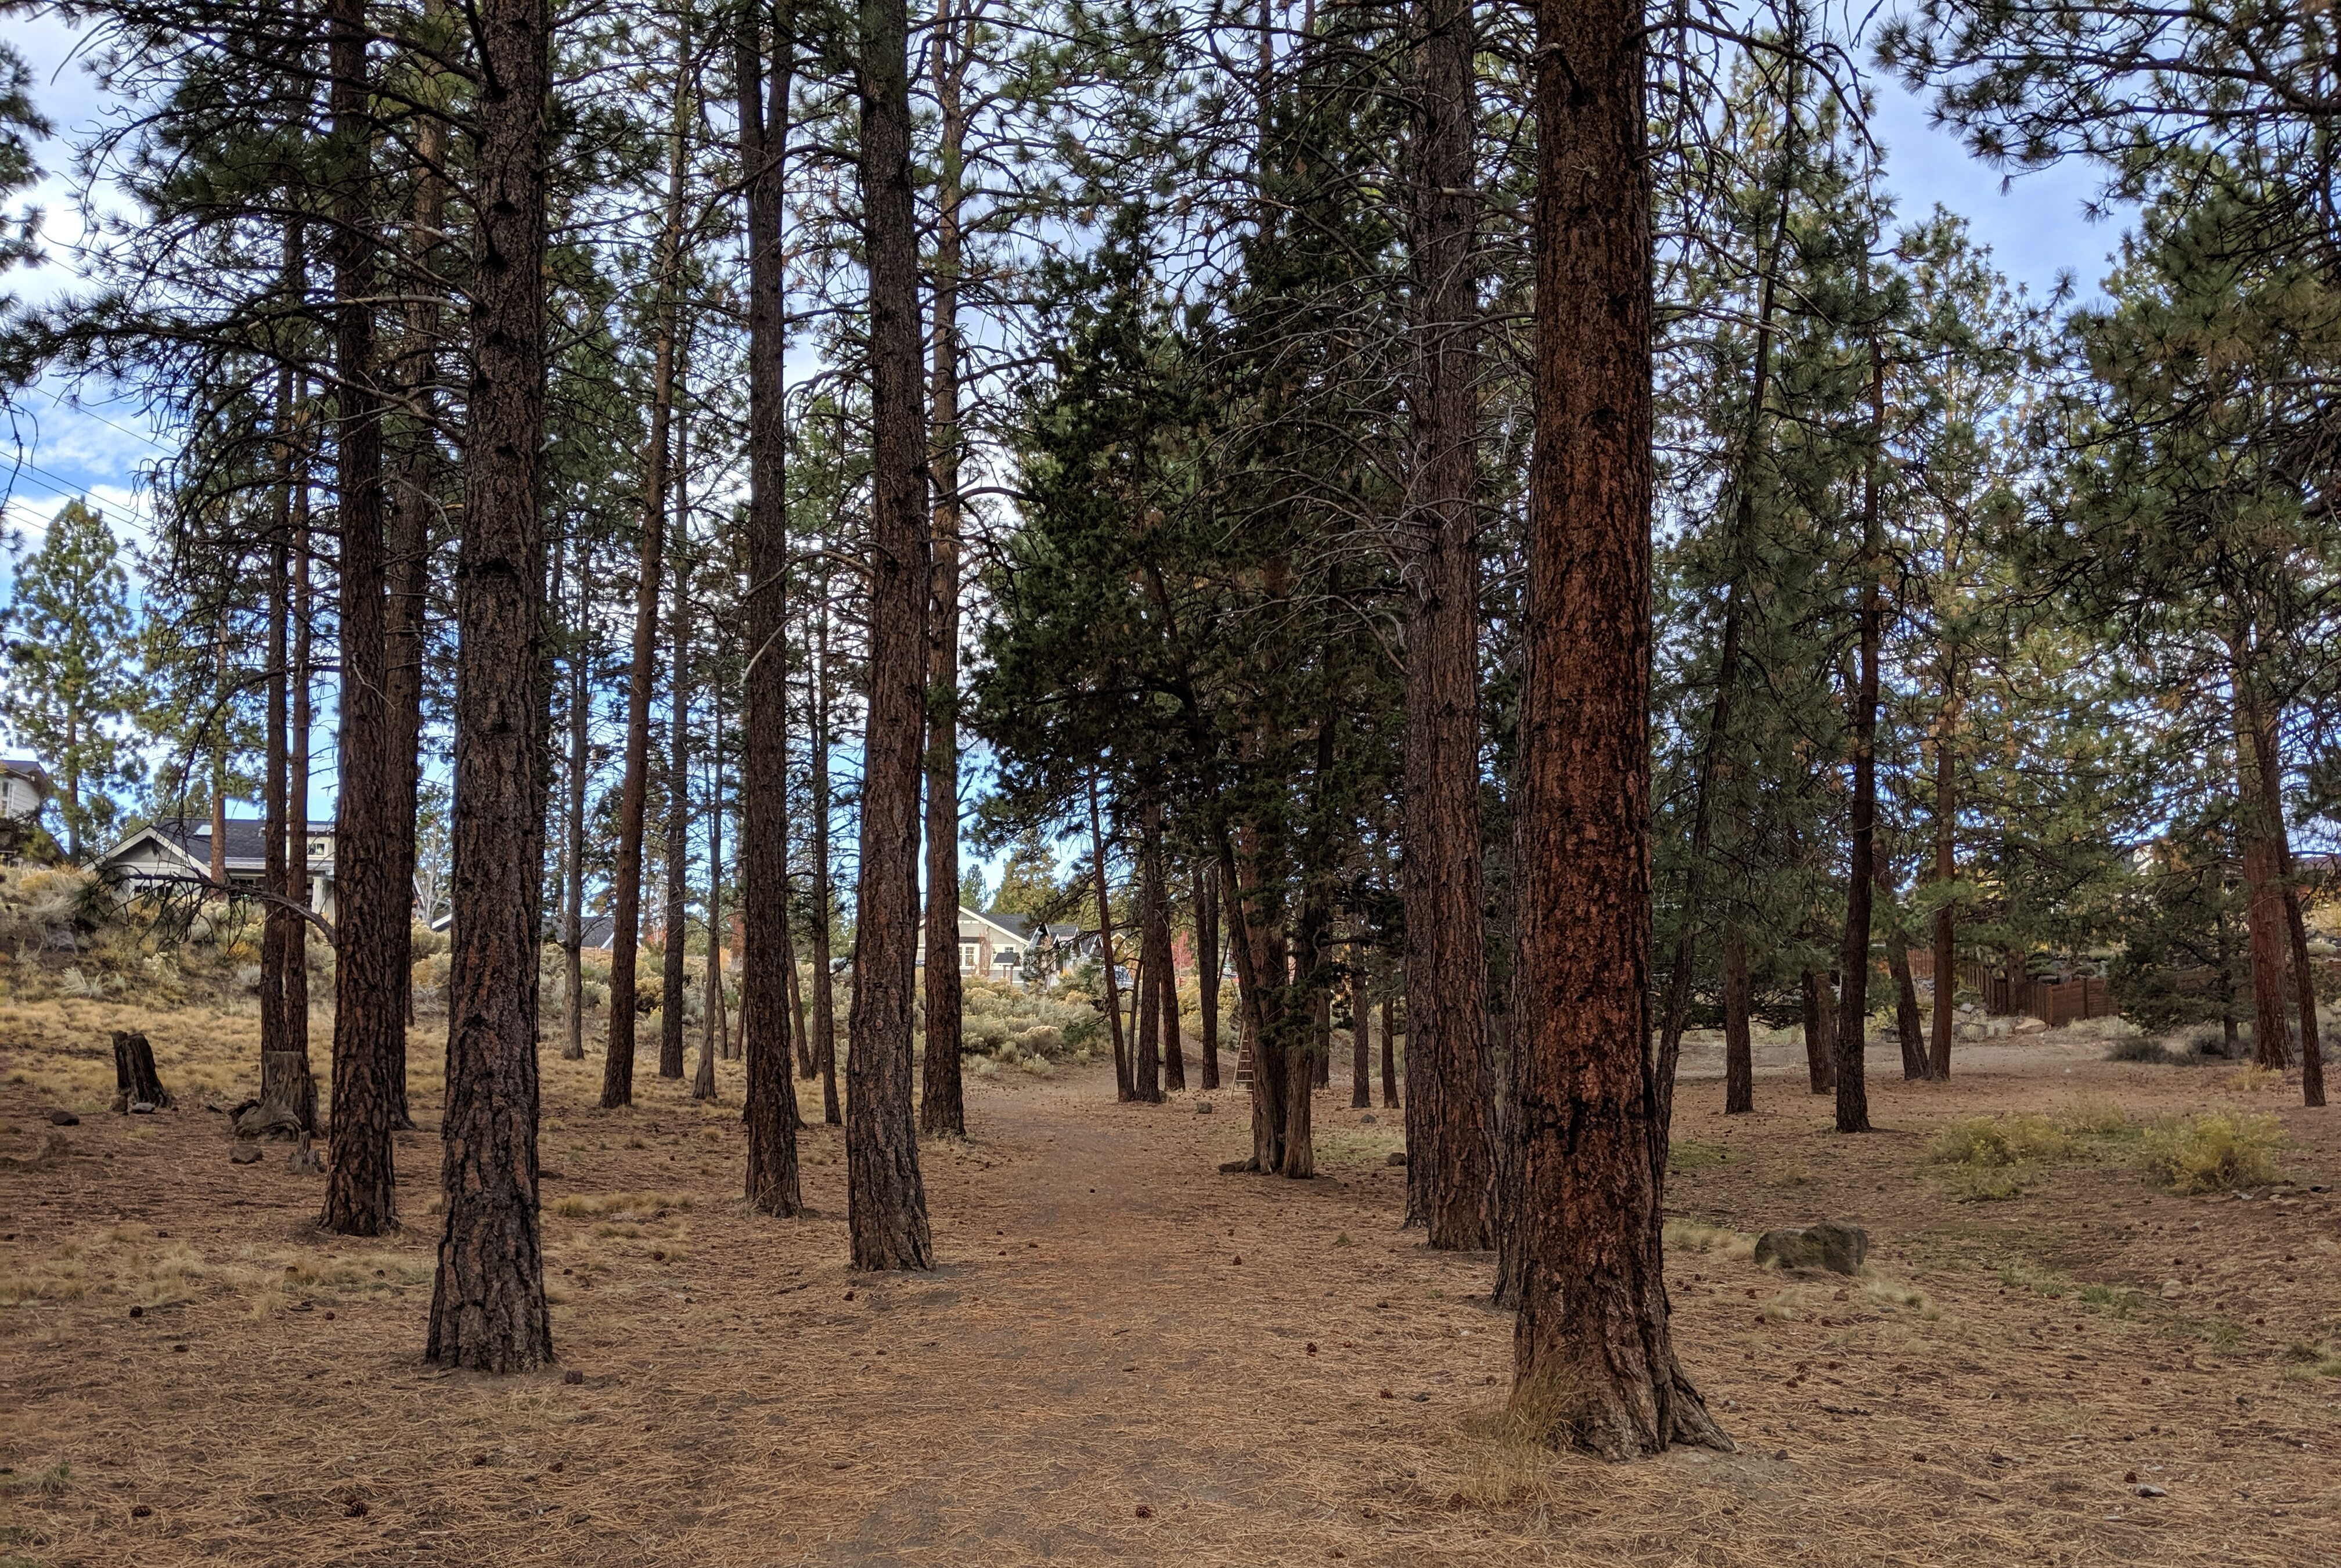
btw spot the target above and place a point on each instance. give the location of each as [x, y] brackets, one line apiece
[972, 893]
[72, 680]
[1028, 878]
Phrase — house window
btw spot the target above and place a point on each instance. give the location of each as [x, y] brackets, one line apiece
[967, 957]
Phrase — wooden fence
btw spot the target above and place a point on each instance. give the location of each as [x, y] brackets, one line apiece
[2053, 1002]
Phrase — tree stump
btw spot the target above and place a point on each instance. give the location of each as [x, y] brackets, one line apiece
[134, 1081]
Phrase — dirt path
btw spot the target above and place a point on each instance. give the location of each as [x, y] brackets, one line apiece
[1272, 1372]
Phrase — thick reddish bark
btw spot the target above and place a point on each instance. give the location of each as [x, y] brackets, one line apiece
[1738, 1045]
[1594, 1359]
[372, 884]
[2264, 908]
[1449, 1166]
[2266, 753]
[488, 1309]
[886, 1203]
[772, 1178]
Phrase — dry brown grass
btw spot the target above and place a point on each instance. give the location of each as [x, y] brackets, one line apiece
[1092, 1344]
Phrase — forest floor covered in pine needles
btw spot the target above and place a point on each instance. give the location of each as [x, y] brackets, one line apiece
[1127, 1357]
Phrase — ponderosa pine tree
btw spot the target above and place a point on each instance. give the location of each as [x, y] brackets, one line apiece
[886, 1201]
[488, 1308]
[373, 884]
[1595, 1365]
[772, 1110]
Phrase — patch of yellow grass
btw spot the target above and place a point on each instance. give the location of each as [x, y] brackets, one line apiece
[2219, 1151]
[1698, 1235]
[2250, 1079]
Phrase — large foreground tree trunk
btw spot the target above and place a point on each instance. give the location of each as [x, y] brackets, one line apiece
[1594, 1359]
[369, 985]
[772, 1110]
[1450, 1166]
[488, 1309]
[886, 1202]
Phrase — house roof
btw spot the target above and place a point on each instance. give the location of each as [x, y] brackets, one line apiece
[246, 840]
[27, 769]
[1021, 926]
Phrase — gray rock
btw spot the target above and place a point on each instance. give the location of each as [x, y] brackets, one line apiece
[1396, 1160]
[63, 1119]
[1838, 1248]
[269, 1121]
[1202, 1108]
[142, 1108]
[246, 1154]
[1366, 1121]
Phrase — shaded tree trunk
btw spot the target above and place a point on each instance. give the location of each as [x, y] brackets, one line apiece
[1449, 1166]
[1174, 1056]
[712, 1030]
[371, 886]
[772, 1109]
[886, 1204]
[672, 979]
[1739, 1044]
[2269, 764]
[824, 1000]
[626, 894]
[1124, 1081]
[1595, 1365]
[1947, 973]
[1861, 881]
[942, 1106]
[1820, 1031]
[1389, 1056]
[286, 1086]
[1362, 1075]
[573, 922]
[1207, 968]
[488, 1308]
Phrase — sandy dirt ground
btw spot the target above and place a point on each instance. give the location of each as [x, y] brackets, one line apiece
[1125, 1356]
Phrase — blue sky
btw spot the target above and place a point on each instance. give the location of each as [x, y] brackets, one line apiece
[2034, 226]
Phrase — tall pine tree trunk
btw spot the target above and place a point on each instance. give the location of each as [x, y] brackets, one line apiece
[1361, 1076]
[886, 1202]
[1450, 1163]
[1861, 880]
[772, 1112]
[2256, 821]
[1207, 968]
[1174, 1056]
[1595, 1365]
[672, 979]
[626, 900]
[488, 1308]
[824, 900]
[1390, 1053]
[373, 885]
[711, 1024]
[942, 1106]
[572, 896]
[2266, 727]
